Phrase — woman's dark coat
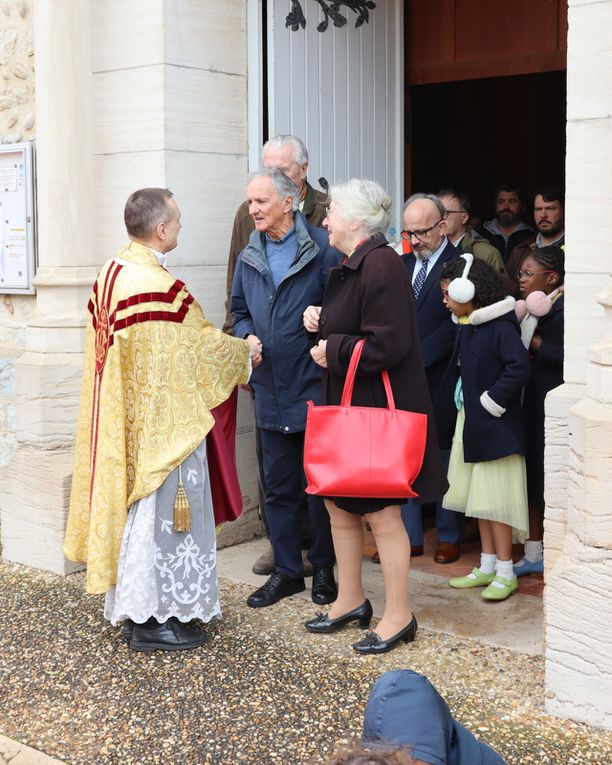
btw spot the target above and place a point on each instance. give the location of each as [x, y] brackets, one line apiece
[545, 374]
[493, 358]
[370, 297]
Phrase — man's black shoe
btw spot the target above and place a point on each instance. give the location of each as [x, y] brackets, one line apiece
[324, 588]
[170, 635]
[278, 586]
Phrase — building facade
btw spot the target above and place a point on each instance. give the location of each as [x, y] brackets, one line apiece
[180, 93]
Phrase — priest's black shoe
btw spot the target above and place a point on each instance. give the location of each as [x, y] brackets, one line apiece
[324, 587]
[278, 586]
[127, 629]
[170, 635]
[322, 622]
[373, 643]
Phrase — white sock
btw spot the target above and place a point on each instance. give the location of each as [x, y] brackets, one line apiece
[487, 562]
[504, 568]
[534, 551]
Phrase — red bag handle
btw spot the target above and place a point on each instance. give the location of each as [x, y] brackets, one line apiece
[349, 383]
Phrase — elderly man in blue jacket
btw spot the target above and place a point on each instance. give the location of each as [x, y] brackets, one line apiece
[281, 271]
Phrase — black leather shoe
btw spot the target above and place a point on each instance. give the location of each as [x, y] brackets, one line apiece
[322, 622]
[127, 628]
[170, 635]
[278, 586]
[373, 643]
[324, 587]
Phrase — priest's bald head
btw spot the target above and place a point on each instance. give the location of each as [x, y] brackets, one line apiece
[153, 218]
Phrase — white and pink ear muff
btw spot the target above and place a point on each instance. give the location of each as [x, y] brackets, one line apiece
[462, 290]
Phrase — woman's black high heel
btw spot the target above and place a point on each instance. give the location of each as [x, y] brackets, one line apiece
[373, 643]
[322, 623]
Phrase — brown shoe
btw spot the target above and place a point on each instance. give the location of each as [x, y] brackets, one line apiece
[265, 564]
[446, 552]
[415, 552]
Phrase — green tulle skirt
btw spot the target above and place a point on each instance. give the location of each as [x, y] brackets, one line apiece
[494, 490]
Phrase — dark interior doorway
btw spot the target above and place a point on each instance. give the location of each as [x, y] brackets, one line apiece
[473, 134]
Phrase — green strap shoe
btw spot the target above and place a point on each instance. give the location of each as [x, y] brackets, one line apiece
[500, 588]
[476, 579]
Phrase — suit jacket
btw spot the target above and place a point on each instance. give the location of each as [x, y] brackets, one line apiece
[437, 334]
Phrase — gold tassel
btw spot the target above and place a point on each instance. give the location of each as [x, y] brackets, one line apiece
[182, 510]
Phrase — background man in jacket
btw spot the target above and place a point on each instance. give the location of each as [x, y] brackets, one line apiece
[281, 271]
[461, 235]
[507, 229]
[548, 215]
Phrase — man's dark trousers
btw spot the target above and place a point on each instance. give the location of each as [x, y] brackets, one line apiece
[283, 466]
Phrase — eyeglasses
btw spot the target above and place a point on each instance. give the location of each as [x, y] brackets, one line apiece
[459, 212]
[529, 274]
[445, 293]
[328, 212]
[420, 233]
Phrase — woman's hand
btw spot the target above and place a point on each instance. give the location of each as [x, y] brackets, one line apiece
[256, 350]
[311, 318]
[318, 353]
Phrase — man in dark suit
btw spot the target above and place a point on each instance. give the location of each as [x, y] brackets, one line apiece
[424, 219]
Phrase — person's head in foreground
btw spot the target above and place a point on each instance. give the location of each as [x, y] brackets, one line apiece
[405, 710]
[367, 756]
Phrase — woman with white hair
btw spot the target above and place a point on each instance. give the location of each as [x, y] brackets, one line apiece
[369, 297]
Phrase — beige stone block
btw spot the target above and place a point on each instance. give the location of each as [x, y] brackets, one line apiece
[117, 176]
[126, 34]
[129, 110]
[578, 671]
[34, 495]
[206, 36]
[205, 111]
[588, 166]
[48, 393]
[589, 60]
[599, 379]
[209, 188]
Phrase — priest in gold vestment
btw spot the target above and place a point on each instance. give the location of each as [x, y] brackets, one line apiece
[141, 512]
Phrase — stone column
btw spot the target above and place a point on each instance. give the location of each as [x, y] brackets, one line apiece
[578, 538]
[35, 485]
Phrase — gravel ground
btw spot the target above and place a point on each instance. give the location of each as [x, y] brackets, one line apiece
[263, 691]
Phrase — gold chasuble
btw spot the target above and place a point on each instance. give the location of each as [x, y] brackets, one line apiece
[154, 367]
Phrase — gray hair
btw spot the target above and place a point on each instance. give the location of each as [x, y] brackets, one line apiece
[432, 198]
[363, 201]
[145, 209]
[278, 141]
[284, 186]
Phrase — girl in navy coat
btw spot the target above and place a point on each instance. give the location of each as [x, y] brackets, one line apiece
[541, 313]
[487, 465]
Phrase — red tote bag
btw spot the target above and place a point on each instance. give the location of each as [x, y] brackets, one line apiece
[358, 451]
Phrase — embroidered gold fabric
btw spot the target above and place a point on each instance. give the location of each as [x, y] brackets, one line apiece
[145, 405]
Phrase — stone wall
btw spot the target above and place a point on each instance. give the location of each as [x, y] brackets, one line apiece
[578, 528]
[17, 123]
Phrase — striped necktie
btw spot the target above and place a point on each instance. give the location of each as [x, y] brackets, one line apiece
[419, 280]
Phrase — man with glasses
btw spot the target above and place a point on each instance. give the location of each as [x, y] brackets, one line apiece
[425, 222]
[462, 235]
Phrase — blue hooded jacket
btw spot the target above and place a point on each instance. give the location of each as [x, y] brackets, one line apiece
[404, 708]
[287, 377]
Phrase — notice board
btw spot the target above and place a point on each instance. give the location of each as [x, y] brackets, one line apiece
[17, 232]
